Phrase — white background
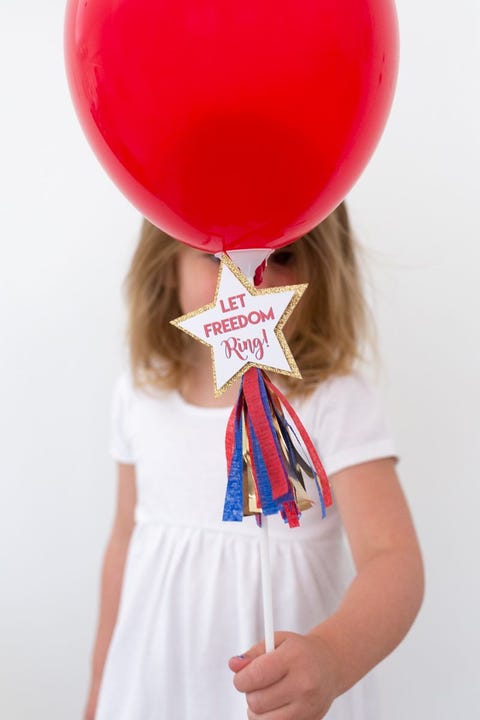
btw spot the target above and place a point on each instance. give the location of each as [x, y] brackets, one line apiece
[66, 238]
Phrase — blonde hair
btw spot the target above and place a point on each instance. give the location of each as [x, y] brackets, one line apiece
[326, 331]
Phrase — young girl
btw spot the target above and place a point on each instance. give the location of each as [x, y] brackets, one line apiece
[181, 590]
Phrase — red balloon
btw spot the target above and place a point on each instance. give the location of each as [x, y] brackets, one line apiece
[233, 124]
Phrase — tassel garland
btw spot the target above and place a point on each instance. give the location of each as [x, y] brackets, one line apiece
[268, 459]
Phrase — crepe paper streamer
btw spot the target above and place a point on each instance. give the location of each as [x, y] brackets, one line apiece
[319, 473]
[276, 452]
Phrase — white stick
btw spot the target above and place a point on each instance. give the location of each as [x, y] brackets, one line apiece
[248, 261]
[266, 586]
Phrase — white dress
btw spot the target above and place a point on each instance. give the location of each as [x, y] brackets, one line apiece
[191, 596]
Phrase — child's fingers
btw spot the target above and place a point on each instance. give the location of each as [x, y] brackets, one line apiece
[271, 698]
[261, 672]
[238, 662]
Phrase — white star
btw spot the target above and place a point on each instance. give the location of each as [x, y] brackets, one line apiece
[243, 326]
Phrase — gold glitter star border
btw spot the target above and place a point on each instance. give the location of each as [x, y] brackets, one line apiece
[296, 292]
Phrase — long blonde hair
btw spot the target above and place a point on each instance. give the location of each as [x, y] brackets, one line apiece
[326, 332]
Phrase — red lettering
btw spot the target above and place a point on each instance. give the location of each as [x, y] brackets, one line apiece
[267, 316]
[232, 303]
[243, 348]
[236, 322]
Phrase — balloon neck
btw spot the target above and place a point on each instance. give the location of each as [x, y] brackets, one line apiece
[250, 261]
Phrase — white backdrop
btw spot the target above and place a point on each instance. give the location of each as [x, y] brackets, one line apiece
[66, 238]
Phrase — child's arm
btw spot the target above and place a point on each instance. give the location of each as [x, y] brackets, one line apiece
[304, 674]
[112, 577]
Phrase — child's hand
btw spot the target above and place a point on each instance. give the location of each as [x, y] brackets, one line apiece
[297, 681]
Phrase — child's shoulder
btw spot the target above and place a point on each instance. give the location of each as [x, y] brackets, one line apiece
[348, 391]
[354, 388]
[347, 419]
[129, 387]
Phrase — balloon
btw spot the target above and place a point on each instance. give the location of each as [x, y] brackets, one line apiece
[232, 124]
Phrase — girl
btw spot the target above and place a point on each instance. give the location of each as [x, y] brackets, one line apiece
[180, 588]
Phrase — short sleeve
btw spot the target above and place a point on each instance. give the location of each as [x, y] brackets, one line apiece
[351, 426]
[120, 447]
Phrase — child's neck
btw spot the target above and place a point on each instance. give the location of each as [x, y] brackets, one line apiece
[197, 386]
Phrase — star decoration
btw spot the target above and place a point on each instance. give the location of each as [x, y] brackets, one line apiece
[243, 326]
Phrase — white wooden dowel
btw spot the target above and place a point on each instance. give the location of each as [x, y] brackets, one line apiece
[266, 585]
[248, 261]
